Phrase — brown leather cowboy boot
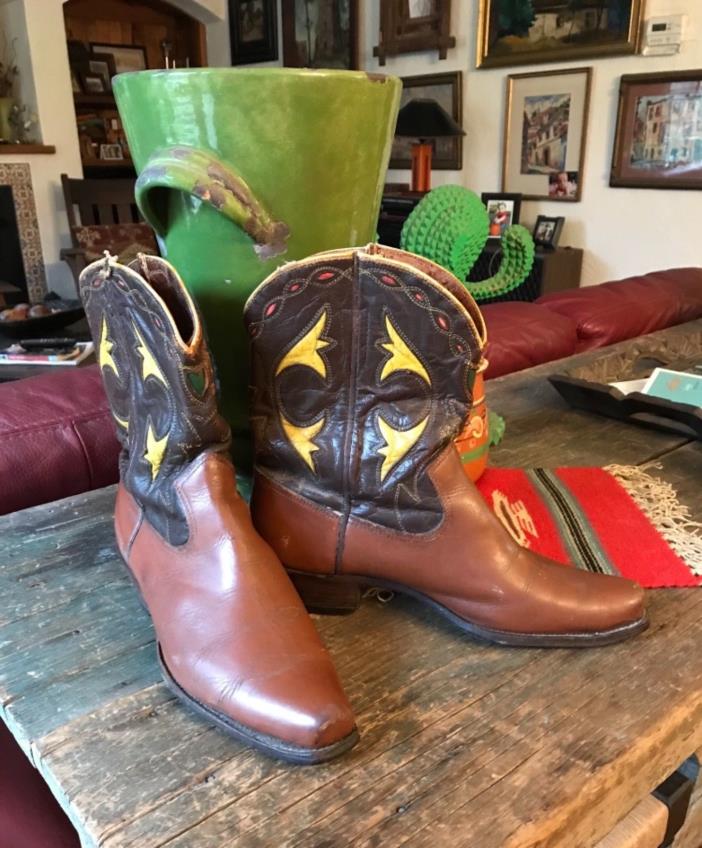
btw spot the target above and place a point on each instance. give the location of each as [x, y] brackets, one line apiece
[363, 364]
[235, 641]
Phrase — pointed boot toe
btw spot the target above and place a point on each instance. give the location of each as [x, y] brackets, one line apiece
[300, 712]
[235, 642]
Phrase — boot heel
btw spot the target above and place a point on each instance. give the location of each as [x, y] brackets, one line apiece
[327, 595]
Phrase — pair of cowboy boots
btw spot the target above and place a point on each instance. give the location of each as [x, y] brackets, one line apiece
[362, 367]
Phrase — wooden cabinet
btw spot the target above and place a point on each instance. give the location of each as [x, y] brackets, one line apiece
[156, 26]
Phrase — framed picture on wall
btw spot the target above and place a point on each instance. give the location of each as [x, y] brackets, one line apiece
[410, 26]
[253, 31]
[320, 34]
[658, 141]
[528, 32]
[446, 89]
[545, 130]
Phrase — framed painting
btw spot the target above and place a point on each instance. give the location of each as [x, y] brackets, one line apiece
[253, 31]
[528, 32]
[320, 34]
[545, 130]
[446, 89]
[658, 141]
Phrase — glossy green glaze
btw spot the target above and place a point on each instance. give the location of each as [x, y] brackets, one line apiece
[242, 169]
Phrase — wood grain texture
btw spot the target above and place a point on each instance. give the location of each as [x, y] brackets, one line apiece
[690, 834]
[644, 827]
[462, 744]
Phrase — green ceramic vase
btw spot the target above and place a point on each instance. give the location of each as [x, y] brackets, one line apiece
[242, 169]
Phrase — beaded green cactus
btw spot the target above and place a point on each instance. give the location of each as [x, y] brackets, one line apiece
[450, 226]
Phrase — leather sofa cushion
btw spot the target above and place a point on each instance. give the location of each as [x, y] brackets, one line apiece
[57, 436]
[524, 334]
[623, 309]
[30, 817]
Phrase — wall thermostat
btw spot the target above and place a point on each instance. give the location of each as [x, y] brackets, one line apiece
[663, 35]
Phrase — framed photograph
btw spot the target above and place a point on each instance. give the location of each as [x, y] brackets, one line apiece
[528, 32]
[547, 230]
[409, 26]
[253, 31]
[503, 211]
[658, 141]
[111, 151]
[93, 83]
[126, 57]
[320, 34]
[104, 65]
[446, 89]
[545, 129]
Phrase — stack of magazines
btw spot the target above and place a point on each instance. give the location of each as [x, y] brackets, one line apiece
[33, 353]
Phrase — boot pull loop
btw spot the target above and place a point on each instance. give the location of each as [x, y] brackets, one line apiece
[108, 263]
[143, 265]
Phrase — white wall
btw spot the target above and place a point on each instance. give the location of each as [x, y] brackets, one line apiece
[623, 231]
[45, 86]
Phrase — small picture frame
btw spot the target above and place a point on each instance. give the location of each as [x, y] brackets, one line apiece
[253, 31]
[93, 83]
[104, 65]
[503, 211]
[111, 152]
[126, 57]
[547, 231]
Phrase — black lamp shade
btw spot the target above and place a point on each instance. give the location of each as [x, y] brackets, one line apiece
[424, 118]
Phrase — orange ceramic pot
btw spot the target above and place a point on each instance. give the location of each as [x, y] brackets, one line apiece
[473, 442]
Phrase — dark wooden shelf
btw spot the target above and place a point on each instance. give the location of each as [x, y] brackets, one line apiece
[94, 100]
[108, 163]
[15, 149]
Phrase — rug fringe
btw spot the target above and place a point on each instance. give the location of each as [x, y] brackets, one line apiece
[658, 500]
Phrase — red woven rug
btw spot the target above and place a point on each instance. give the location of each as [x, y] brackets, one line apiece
[618, 520]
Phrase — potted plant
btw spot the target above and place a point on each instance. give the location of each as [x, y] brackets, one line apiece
[8, 74]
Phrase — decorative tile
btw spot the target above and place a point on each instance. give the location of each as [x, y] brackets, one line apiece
[19, 178]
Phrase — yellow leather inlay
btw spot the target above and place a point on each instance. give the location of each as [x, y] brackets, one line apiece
[301, 438]
[105, 349]
[121, 421]
[155, 449]
[305, 352]
[149, 366]
[397, 443]
[401, 357]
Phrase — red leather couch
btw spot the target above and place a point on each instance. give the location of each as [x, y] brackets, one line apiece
[57, 436]
[57, 439]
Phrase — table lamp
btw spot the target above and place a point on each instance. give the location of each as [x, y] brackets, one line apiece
[424, 119]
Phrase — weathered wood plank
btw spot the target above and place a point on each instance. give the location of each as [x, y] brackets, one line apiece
[462, 743]
[643, 827]
[423, 757]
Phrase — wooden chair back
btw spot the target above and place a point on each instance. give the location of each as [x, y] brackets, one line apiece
[99, 201]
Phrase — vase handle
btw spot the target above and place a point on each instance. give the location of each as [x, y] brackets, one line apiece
[202, 175]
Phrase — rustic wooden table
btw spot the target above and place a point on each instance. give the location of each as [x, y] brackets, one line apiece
[462, 744]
